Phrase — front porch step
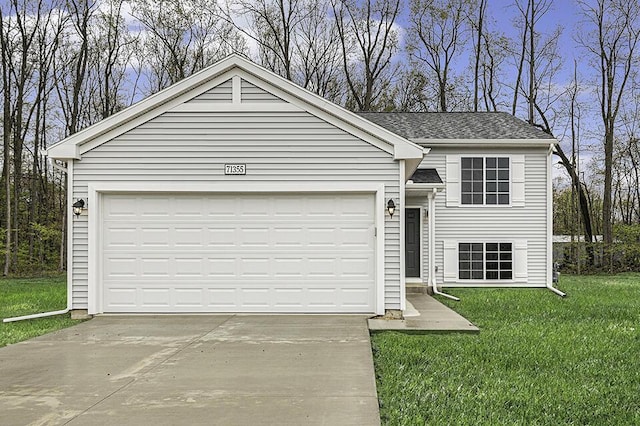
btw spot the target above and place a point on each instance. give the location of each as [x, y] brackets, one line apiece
[417, 289]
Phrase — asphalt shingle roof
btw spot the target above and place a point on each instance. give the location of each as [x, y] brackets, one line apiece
[455, 125]
[426, 176]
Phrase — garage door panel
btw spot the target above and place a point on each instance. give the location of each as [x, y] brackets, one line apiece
[288, 253]
[157, 207]
[254, 237]
[189, 267]
[254, 264]
[254, 267]
[222, 267]
[188, 237]
[222, 299]
[120, 267]
[189, 297]
[190, 206]
[119, 207]
[119, 237]
[122, 299]
[242, 297]
[288, 268]
[221, 237]
[356, 237]
[153, 236]
[356, 267]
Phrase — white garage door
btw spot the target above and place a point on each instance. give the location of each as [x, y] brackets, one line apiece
[238, 253]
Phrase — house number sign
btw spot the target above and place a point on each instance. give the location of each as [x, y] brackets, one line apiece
[235, 169]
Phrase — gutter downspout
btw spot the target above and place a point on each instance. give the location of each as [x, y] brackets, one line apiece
[555, 290]
[68, 308]
[432, 244]
[550, 223]
[40, 315]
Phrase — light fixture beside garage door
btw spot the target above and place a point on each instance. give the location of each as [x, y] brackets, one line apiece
[78, 206]
[391, 207]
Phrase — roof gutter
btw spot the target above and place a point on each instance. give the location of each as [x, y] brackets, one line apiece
[485, 143]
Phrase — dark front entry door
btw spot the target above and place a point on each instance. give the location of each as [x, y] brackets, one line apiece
[412, 242]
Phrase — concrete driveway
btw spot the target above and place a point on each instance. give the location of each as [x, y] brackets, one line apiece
[179, 370]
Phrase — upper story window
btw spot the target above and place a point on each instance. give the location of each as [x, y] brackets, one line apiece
[485, 180]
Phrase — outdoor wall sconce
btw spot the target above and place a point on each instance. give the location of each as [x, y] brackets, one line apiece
[391, 207]
[78, 206]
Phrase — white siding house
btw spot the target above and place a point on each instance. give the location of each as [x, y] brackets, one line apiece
[235, 190]
[491, 224]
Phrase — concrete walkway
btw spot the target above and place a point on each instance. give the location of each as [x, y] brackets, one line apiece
[425, 314]
[190, 370]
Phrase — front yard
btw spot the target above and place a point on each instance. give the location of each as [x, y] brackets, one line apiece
[539, 359]
[29, 296]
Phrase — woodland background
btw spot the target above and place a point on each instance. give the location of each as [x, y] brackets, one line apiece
[67, 64]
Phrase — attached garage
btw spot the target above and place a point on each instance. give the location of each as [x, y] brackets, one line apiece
[235, 190]
[248, 252]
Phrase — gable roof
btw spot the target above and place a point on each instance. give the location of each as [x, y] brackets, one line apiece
[429, 127]
[235, 65]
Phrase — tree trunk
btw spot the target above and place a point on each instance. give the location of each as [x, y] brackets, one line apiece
[481, 11]
[6, 140]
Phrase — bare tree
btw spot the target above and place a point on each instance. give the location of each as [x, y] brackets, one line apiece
[319, 54]
[493, 79]
[47, 43]
[436, 33]
[539, 54]
[611, 39]
[29, 36]
[111, 53]
[368, 41]
[273, 25]
[478, 26]
[20, 28]
[81, 12]
[182, 37]
[6, 48]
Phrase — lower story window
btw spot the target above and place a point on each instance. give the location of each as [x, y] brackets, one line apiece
[485, 261]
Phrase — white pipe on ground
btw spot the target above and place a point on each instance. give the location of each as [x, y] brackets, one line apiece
[40, 315]
[438, 292]
[556, 291]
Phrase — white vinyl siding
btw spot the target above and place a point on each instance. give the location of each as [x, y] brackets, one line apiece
[192, 148]
[219, 94]
[253, 94]
[524, 222]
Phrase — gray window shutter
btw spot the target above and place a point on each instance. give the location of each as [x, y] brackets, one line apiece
[450, 260]
[453, 180]
[517, 180]
[520, 272]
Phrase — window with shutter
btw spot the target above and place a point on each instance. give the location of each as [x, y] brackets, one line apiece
[485, 181]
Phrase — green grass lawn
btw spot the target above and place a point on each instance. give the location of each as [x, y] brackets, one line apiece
[539, 359]
[26, 296]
